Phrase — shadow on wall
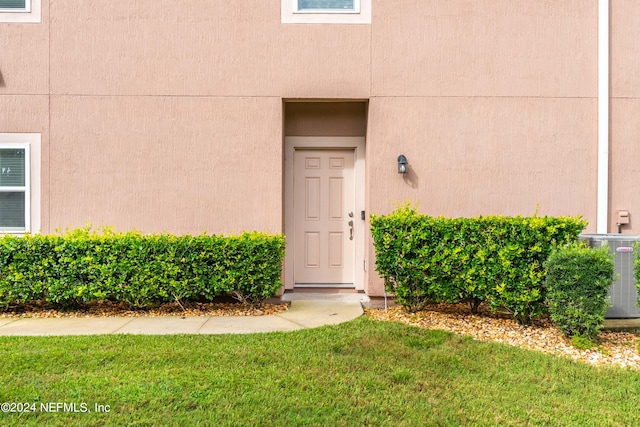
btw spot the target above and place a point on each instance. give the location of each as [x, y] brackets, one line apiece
[411, 178]
[1, 80]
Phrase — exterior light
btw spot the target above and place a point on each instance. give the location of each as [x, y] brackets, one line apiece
[402, 164]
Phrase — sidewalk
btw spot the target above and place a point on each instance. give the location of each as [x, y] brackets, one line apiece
[307, 310]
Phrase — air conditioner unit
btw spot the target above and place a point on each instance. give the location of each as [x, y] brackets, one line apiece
[623, 293]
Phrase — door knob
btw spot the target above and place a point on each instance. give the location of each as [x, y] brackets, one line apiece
[350, 229]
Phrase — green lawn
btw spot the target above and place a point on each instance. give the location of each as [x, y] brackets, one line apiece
[359, 373]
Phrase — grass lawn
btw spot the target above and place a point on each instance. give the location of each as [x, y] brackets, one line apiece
[358, 373]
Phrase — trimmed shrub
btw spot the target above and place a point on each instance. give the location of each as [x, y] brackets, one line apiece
[577, 282]
[402, 241]
[25, 268]
[494, 259]
[84, 265]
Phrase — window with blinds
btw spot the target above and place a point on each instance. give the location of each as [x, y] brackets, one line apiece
[327, 5]
[325, 11]
[14, 188]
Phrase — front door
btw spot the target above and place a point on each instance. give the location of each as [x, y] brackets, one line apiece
[324, 216]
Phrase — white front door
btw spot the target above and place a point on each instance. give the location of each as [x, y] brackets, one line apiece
[324, 216]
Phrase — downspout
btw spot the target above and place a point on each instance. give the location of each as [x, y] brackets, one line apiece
[602, 216]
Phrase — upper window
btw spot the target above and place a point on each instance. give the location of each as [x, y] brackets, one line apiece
[326, 6]
[326, 11]
[20, 10]
[15, 6]
[20, 155]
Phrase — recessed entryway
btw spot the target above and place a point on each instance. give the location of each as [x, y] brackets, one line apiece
[325, 198]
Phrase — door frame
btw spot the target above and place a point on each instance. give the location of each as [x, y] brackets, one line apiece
[355, 143]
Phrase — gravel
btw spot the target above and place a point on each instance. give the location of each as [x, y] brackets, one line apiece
[614, 348]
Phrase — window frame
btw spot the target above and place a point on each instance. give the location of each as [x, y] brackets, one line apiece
[291, 14]
[33, 173]
[26, 189]
[30, 14]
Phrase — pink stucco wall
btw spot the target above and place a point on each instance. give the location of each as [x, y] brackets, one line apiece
[167, 163]
[202, 48]
[625, 118]
[487, 48]
[484, 156]
[170, 115]
[24, 63]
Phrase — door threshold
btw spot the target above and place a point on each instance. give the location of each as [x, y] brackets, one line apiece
[323, 290]
[345, 295]
[325, 285]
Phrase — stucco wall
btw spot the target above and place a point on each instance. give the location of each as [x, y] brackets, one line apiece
[493, 103]
[470, 92]
[201, 48]
[625, 113]
[177, 164]
[24, 58]
[484, 156]
[489, 48]
[168, 115]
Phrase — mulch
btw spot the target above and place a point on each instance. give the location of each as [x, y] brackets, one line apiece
[613, 348]
[108, 308]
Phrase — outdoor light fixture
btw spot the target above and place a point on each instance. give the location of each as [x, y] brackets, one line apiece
[402, 164]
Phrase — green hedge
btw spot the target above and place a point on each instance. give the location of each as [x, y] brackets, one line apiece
[494, 259]
[83, 265]
[578, 280]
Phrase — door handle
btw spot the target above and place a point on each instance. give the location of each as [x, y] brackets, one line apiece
[350, 229]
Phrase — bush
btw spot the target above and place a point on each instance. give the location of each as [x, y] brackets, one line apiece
[83, 265]
[494, 259]
[577, 282]
[401, 243]
[25, 268]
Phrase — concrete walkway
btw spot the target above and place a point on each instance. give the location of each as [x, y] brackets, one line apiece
[307, 310]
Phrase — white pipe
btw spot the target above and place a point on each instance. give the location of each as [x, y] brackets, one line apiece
[602, 216]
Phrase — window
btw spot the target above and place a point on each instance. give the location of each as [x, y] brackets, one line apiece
[15, 6]
[20, 10]
[326, 6]
[326, 11]
[19, 183]
[14, 188]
